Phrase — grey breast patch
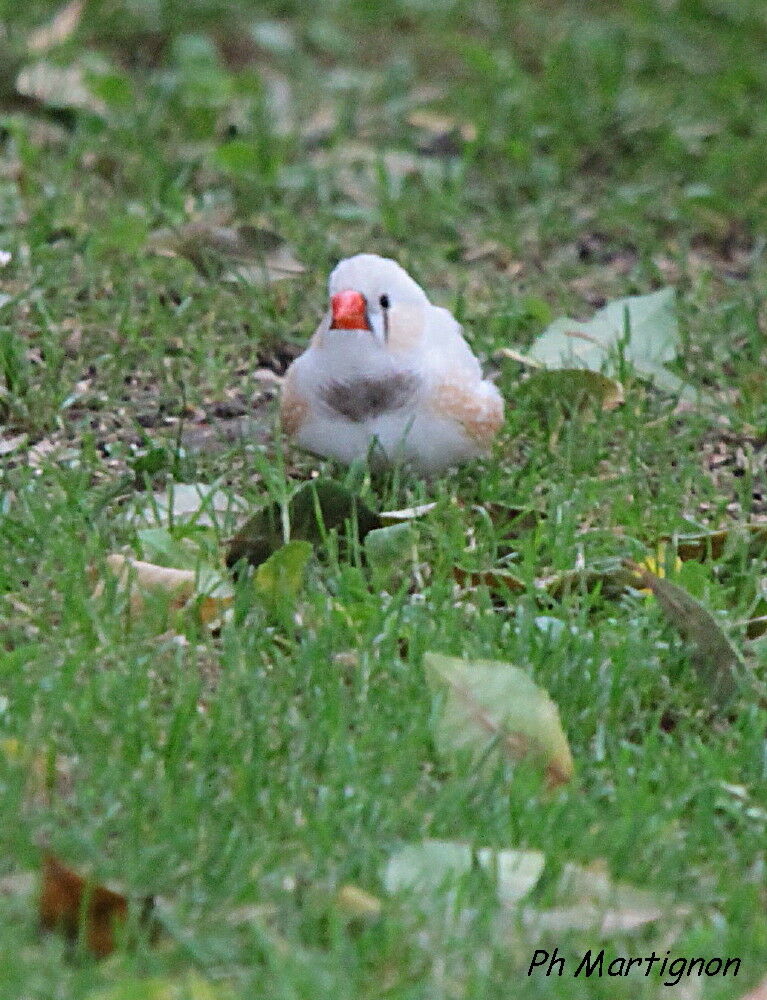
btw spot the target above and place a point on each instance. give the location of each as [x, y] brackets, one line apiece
[362, 398]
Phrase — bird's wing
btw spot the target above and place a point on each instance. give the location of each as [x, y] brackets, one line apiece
[445, 344]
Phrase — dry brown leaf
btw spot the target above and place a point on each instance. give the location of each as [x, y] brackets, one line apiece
[356, 902]
[711, 544]
[180, 585]
[66, 898]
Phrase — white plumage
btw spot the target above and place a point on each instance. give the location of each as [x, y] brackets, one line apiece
[388, 374]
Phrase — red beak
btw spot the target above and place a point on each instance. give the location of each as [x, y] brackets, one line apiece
[349, 311]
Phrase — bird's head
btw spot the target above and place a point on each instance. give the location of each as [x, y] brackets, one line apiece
[374, 294]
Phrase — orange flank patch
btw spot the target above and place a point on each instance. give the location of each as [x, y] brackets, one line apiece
[293, 407]
[479, 415]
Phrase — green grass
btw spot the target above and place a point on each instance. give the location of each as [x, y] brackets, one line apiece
[616, 148]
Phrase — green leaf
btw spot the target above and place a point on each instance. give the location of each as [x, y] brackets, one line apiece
[489, 703]
[319, 506]
[571, 390]
[714, 657]
[386, 548]
[427, 867]
[645, 325]
[280, 578]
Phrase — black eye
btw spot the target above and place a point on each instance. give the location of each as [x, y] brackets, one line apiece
[384, 301]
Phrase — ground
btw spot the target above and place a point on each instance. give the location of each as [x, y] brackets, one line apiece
[524, 161]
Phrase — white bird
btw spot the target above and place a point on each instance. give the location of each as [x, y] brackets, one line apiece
[388, 375]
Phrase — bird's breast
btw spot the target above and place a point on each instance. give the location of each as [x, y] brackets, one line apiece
[365, 397]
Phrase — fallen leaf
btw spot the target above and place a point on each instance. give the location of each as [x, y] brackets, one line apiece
[521, 359]
[68, 901]
[714, 657]
[488, 703]
[587, 899]
[276, 266]
[612, 580]
[712, 544]
[432, 865]
[58, 30]
[516, 872]
[317, 507]
[644, 327]
[426, 867]
[181, 586]
[571, 390]
[279, 578]
[356, 902]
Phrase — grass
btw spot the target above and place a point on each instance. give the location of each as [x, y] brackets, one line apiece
[613, 150]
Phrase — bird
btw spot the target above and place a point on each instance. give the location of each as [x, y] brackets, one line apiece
[388, 377]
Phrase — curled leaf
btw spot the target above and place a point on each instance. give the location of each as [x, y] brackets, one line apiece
[712, 544]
